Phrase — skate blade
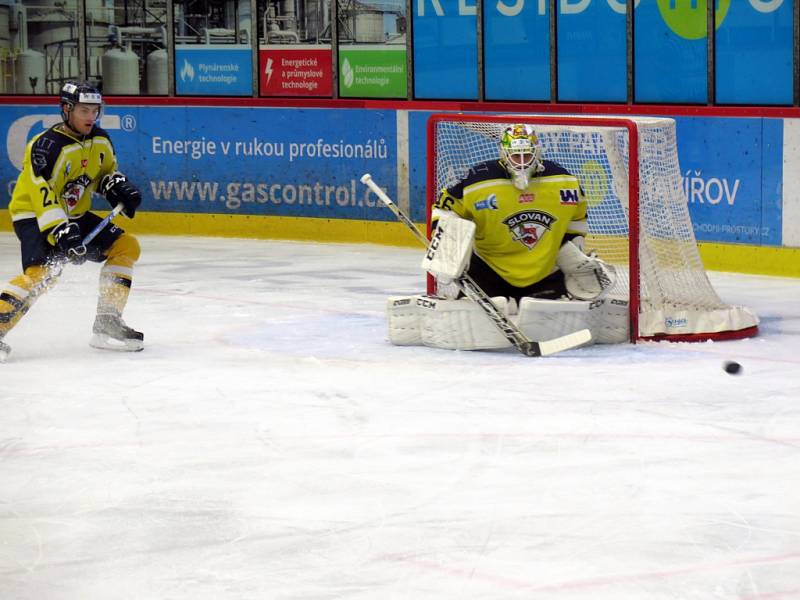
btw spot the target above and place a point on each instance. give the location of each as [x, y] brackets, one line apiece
[105, 342]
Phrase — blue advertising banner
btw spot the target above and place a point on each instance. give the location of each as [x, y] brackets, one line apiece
[418, 163]
[754, 48]
[257, 161]
[445, 50]
[245, 161]
[516, 51]
[670, 50]
[592, 52]
[732, 171]
[214, 70]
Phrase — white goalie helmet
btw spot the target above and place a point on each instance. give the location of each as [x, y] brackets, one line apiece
[521, 154]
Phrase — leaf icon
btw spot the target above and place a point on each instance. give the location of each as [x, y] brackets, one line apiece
[348, 73]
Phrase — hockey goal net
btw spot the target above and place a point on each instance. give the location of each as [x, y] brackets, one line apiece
[638, 214]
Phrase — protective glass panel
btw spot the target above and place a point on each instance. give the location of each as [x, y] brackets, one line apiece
[755, 35]
[372, 49]
[294, 48]
[516, 51]
[213, 52]
[592, 46]
[670, 51]
[38, 46]
[445, 50]
[127, 47]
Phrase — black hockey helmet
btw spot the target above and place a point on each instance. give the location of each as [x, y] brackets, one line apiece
[78, 92]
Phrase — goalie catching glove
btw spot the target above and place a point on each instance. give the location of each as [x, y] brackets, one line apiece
[118, 190]
[586, 276]
[450, 248]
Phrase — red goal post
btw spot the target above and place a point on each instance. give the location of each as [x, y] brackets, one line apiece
[638, 214]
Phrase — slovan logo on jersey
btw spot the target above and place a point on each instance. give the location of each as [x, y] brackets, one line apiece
[74, 190]
[529, 226]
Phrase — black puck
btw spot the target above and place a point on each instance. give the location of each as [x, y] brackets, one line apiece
[732, 367]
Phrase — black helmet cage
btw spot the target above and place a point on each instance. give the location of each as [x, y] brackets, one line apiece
[82, 92]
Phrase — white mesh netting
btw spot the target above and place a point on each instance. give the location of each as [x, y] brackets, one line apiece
[675, 296]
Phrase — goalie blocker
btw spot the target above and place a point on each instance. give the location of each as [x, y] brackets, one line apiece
[450, 248]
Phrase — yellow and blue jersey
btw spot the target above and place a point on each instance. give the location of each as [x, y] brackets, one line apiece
[60, 172]
[519, 232]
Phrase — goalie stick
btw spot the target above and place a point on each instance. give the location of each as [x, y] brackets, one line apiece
[473, 291]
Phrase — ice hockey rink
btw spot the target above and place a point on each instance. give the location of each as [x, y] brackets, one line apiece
[269, 443]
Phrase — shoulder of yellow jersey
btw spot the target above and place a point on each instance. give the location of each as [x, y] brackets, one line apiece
[552, 168]
[99, 132]
[45, 148]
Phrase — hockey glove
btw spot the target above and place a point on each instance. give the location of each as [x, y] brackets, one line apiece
[586, 276]
[67, 237]
[118, 190]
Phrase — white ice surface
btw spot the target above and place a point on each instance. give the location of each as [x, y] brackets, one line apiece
[270, 444]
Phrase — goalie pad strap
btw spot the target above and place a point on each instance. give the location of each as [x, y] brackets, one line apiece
[450, 247]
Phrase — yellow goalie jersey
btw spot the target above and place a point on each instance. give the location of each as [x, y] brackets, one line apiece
[518, 232]
[59, 174]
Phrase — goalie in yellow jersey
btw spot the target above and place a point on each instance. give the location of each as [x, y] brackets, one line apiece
[516, 225]
[50, 211]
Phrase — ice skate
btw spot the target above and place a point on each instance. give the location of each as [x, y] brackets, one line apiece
[5, 350]
[111, 333]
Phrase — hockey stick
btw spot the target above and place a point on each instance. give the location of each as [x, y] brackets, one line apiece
[473, 291]
[93, 233]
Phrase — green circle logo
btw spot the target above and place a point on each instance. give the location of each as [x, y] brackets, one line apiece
[594, 182]
[687, 18]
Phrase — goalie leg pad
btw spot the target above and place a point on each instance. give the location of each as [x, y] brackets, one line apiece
[450, 247]
[404, 320]
[610, 320]
[439, 323]
[460, 325]
[543, 320]
[607, 318]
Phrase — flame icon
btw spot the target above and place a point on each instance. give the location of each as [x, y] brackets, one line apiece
[187, 72]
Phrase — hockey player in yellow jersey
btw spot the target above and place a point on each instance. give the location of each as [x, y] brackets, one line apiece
[516, 225]
[50, 211]
[524, 209]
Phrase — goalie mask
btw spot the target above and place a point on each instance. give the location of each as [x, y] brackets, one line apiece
[521, 154]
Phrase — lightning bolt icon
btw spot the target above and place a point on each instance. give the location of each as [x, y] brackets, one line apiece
[268, 70]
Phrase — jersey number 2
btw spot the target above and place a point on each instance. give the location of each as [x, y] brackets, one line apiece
[45, 200]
